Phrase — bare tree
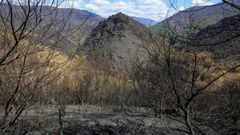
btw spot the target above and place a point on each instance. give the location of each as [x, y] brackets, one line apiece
[26, 65]
[184, 71]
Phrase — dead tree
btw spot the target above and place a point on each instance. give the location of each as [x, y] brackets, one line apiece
[26, 66]
[186, 86]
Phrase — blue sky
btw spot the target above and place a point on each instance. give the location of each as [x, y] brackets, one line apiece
[153, 9]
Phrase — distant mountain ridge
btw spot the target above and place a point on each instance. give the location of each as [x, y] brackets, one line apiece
[78, 23]
[145, 21]
[197, 17]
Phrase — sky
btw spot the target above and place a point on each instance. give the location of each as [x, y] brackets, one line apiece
[152, 9]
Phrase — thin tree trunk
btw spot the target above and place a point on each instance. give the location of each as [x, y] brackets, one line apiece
[60, 122]
[188, 122]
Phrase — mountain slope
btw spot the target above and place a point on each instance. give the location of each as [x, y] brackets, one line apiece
[118, 44]
[222, 38]
[81, 23]
[198, 16]
[78, 24]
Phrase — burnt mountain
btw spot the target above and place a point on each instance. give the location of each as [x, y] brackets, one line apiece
[118, 44]
[222, 39]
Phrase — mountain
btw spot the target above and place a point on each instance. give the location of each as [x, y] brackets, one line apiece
[198, 17]
[222, 39]
[82, 22]
[145, 21]
[117, 44]
[77, 23]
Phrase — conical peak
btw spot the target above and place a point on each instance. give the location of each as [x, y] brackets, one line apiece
[119, 16]
[117, 26]
[116, 42]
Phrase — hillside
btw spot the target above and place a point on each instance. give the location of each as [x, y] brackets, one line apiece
[77, 23]
[82, 23]
[193, 19]
[222, 39]
[118, 43]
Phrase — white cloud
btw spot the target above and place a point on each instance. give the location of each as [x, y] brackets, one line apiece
[91, 7]
[201, 2]
[181, 8]
[71, 3]
[154, 9]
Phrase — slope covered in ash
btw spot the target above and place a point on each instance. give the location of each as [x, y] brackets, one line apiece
[222, 38]
[118, 44]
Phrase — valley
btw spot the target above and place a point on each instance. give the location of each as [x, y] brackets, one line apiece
[68, 71]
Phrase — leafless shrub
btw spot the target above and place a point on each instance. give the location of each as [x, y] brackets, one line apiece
[26, 66]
